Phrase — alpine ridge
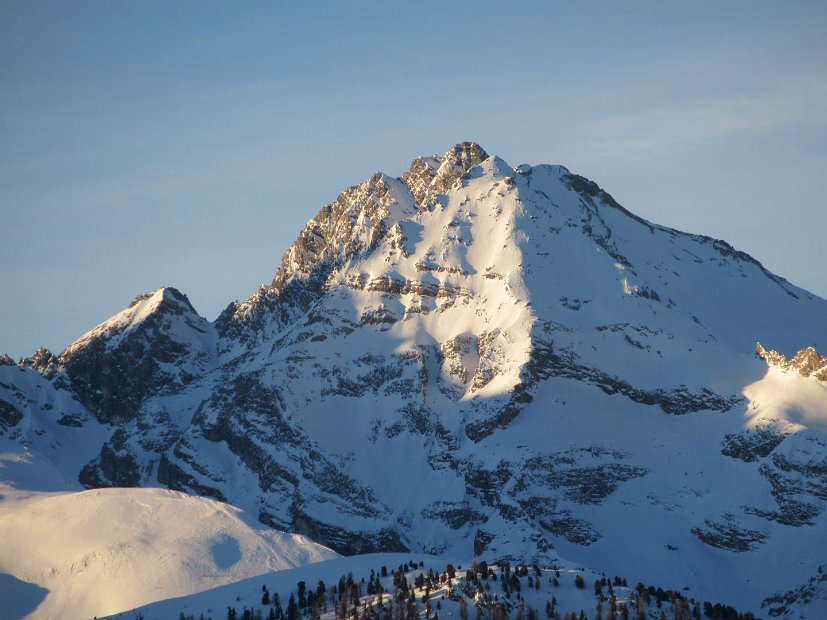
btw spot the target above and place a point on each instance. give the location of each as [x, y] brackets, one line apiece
[470, 359]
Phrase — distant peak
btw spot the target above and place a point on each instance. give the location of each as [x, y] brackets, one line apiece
[429, 176]
[171, 293]
[162, 296]
[466, 155]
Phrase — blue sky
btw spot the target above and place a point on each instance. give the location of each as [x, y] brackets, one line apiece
[185, 144]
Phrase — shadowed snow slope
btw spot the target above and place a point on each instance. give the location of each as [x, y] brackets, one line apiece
[102, 551]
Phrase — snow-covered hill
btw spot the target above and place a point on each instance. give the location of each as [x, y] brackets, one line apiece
[472, 359]
[98, 552]
[385, 586]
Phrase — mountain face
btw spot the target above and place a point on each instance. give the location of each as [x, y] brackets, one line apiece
[479, 360]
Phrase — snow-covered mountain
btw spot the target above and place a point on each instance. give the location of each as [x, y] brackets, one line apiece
[471, 360]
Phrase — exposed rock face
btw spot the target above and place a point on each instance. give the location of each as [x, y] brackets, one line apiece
[470, 358]
[347, 227]
[461, 355]
[115, 467]
[429, 177]
[807, 361]
[796, 601]
[729, 536]
[9, 416]
[755, 443]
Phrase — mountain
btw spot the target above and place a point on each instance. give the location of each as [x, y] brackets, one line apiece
[472, 360]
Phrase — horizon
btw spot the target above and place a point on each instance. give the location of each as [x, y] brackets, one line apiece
[187, 145]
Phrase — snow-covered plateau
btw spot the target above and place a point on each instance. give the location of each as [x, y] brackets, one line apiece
[468, 361]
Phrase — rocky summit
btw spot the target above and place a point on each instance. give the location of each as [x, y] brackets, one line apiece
[473, 359]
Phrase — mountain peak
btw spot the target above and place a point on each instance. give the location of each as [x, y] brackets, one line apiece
[157, 343]
[163, 299]
[354, 223]
[162, 302]
[430, 176]
[465, 155]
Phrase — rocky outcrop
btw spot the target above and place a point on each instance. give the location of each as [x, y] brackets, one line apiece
[679, 400]
[10, 416]
[430, 176]
[545, 363]
[456, 515]
[43, 361]
[794, 602]
[116, 466]
[799, 486]
[756, 443]
[345, 541]
[728, 535]
[543, 492]
[807, 362]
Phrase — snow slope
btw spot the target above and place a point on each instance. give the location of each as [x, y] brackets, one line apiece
[539, 589]
[102, 551]
[248, 592]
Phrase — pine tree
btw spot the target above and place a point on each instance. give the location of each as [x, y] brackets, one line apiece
[463, 608]
[292, 608]
[341, 607]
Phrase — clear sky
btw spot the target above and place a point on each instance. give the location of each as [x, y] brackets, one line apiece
[186, 143]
